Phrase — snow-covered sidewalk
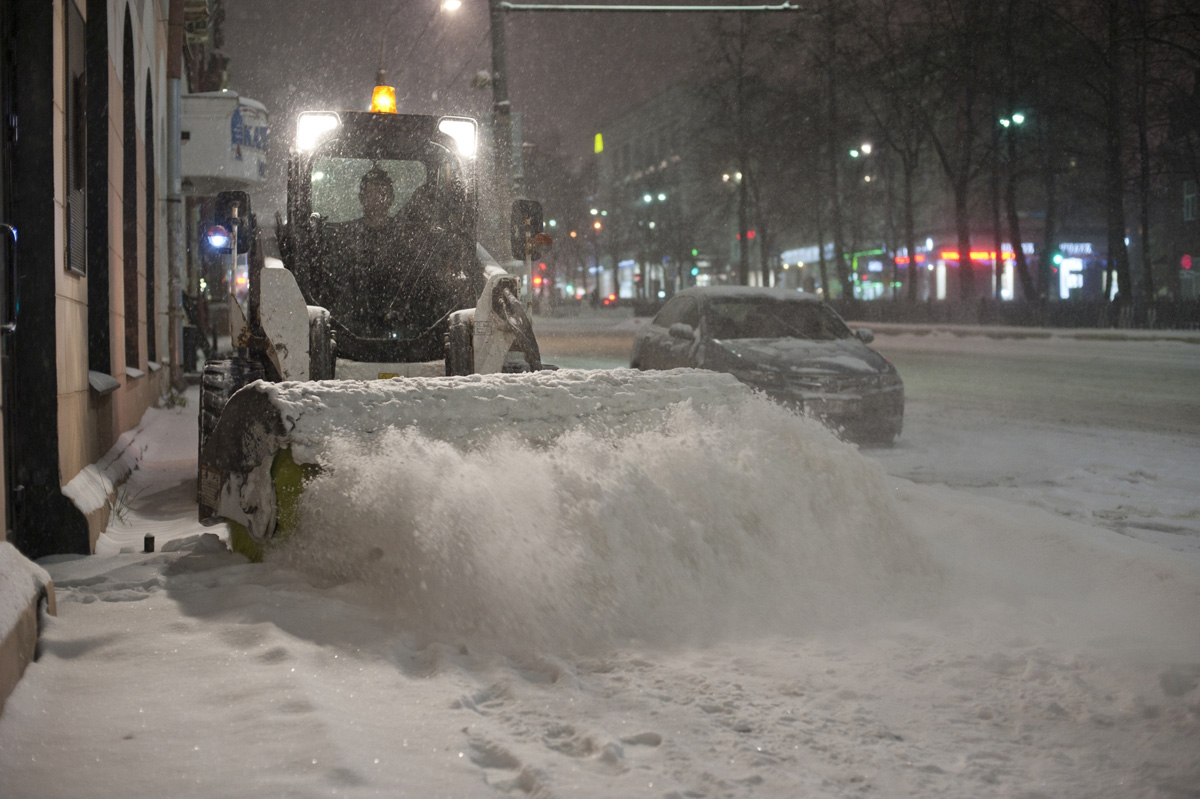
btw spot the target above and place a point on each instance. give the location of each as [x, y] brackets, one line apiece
[734, 607]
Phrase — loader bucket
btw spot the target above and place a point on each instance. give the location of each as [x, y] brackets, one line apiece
[271, 437]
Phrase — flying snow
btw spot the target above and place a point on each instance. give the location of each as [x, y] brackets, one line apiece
[748, 518]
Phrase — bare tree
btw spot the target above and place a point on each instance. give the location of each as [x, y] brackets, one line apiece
[896, 91]
[965, 26]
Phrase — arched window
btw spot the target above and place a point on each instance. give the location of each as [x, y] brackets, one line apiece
[96, 178]
[151, 316]
[129, 199]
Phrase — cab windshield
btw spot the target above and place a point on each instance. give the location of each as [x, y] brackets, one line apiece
[390, 234]
[336, 184]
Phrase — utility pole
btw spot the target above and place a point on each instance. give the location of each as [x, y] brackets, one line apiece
[501, 111]
[176, 241]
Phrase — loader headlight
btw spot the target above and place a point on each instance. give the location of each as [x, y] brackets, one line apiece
[462, 130]
[311, 127]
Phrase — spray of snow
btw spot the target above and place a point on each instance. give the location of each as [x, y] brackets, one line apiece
[744, 518]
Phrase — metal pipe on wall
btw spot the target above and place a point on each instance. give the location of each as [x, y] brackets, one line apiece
[175, 241]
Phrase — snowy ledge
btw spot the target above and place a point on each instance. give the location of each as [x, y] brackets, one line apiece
[101, 383]
[22, 585]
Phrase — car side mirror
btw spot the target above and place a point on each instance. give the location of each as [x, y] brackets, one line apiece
[682, 330]
[233, 207]
[864, 335]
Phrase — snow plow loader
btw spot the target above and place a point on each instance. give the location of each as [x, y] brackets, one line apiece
[383, 311]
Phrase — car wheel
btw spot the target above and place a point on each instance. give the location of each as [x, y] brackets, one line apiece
[882, 437]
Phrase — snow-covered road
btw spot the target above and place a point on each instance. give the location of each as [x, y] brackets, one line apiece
[1005, 604]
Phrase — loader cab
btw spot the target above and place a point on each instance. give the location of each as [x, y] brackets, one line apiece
[382, 217]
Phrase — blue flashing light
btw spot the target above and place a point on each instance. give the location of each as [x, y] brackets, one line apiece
[218, 237]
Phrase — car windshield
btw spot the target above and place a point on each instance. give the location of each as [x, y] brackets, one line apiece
[766, 317]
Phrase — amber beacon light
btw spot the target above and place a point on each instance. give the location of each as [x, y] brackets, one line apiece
[383, 100]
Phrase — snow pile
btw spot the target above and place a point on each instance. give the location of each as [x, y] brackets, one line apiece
[21, 583]
[96, 483]
[743, 518]
[158, 498]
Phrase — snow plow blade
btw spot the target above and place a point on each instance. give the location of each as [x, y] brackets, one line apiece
[271, 436]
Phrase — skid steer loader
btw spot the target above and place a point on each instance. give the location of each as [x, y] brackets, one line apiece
[383, 303]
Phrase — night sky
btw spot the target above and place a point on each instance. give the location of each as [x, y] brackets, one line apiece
[569, 73]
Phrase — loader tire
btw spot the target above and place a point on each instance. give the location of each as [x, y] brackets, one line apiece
[221, 380]
[460, 352]
[321, 356]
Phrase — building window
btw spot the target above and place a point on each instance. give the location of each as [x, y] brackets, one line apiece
[151, 316]
[97, 118]
[1189, 200]
[129, 260]
[76, 142]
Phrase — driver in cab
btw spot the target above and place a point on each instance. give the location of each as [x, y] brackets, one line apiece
[374, 231]
[391, 275]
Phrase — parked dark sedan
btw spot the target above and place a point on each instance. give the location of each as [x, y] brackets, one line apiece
[788, 344]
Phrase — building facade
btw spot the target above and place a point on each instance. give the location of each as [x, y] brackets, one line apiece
[83, 191]
[654, 219]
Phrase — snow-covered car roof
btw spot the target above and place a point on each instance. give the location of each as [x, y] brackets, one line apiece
[727, 292]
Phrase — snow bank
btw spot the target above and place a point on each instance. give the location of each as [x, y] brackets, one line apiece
[154, 439]
[21, 583]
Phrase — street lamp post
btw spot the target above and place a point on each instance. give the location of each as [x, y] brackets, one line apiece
[1011, 124]
[501, 108]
